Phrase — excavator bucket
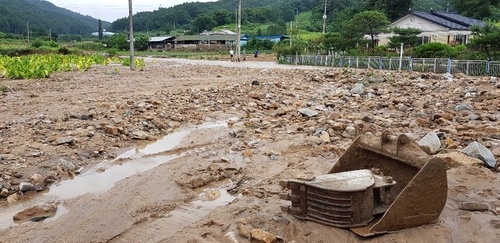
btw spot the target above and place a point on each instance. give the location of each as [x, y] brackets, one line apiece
[380, 184]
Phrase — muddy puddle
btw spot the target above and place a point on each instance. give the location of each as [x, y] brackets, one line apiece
[103, 177]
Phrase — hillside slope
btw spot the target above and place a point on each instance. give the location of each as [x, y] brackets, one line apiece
[43, 15]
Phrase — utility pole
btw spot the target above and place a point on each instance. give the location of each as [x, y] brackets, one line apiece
[28, 30]
[131, 36]
[238, 36]
[324, 19]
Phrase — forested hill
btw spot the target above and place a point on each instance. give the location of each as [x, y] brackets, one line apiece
[43, 16]
[183, 15]
[199, 16]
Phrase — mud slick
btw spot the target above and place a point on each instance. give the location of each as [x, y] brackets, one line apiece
[194, 150]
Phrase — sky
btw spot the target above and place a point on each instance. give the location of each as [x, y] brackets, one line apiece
[111, 10]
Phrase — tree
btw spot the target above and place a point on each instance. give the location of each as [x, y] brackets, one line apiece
[394, 9]
[407, 36]
[204, 22]
[370, 23]
[141, 42]
[99, 28]
[476, 8]
[275, 29]
[486, 38]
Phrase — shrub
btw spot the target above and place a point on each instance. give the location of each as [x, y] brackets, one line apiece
[52, 44]
[435, 49]
[63, 50]
[112, 52]
[37, 43]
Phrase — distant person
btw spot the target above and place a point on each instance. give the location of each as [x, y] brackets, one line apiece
[256, 53]
[231, 53]
[244, 54]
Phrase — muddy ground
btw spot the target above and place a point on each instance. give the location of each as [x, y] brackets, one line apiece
[193, 150]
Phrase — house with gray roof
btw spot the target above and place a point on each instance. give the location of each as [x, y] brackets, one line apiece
[448, 28]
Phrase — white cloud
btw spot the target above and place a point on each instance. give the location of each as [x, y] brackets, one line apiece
[112, 10]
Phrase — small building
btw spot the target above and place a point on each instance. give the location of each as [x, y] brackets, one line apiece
[205, 42]
[448, 28]
[273, 38]
[161, 42]
[104, 33]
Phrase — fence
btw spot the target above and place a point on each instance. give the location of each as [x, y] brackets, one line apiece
[436, 65]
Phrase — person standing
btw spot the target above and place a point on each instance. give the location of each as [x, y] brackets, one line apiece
[256, 53]
[231, 53]
[244, 54]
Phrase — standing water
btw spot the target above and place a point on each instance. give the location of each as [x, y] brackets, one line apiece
[96, 182]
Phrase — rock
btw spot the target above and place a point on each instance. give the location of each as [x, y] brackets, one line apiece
[455, 159]
[139, 135]
[4, 192]
[111, 130]
[117, 120]
[430, 143]
[26, 186]
[350, 131]
[325, 137]
[255, 82]
[376, 79]
[479, 151]
[263, 236]
[35, 212]
[231, 236]
[65, 140]
[469, 206]
[13, 198]
[308, 112]
[447, 76]
[257, 96]
[493, 80]
[358, 89]
[464, 107]
[65, 163]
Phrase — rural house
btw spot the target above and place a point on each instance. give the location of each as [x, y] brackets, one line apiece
[161, 42]
[448, 28]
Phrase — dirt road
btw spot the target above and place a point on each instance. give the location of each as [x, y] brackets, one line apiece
[193, 150]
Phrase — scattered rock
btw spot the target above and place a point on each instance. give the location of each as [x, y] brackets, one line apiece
[26, 186]
[430, 143]
[35, 212]
[65, 140]
[470, 206]
[376, 79]
[479, 151]
[262, 236]
[139, 135]
[308, 112]
[358, 89]
[455, 159]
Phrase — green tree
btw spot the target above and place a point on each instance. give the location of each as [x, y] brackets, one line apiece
[337, 42]
[394, 9]
[486, 38]
[476, 8]
[370, 23]
[99, 28]
[204, 22]
[141, 42]
[407, 36]
[118, 41]
[275, 29]
[259, 32]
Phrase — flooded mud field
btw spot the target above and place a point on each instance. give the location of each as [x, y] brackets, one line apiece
[194, 150]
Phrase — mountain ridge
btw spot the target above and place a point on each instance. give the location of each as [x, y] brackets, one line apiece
[44, 16]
